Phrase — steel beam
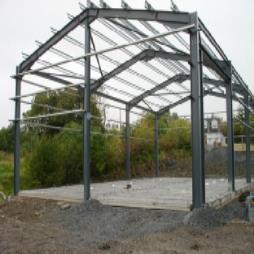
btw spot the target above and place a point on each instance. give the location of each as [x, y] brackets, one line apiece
[167, 108]
[87, 116]
[223, 96]
[230, 134]
[214, 64]
[127, 144]
[17, 136]
[52, 77]
[107, 96]
[120, 101]
[177, 78]
[168, 55]
[65, 112]
[181, 18]
[247, 140]
[223, 55]
[145, 55]
[196, 116]
[26, 64]
[215, 94]
[186, 98]
[218, 83]
[156, 145]
[139, 57]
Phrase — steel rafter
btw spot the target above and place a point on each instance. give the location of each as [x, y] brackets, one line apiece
[177, 78]
[145, 55]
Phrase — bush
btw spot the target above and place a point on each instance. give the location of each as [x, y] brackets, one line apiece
[69, 155]
[114, 153]
[6, 172]
[43, 165]
[58, 160]
[7, 139]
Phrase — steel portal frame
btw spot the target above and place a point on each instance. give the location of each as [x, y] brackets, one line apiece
[200, 55]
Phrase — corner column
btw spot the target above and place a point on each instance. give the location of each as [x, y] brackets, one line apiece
[87, 116]
[17, 135]
[198, 195]
[230, 132]
[247, 140]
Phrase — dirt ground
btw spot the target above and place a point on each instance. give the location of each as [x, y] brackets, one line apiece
[40, 226]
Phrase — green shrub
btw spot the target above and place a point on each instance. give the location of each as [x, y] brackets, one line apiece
[43, 164]
[6, 175]
[114, 153]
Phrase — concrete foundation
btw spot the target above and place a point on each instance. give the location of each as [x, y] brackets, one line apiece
[154, 193]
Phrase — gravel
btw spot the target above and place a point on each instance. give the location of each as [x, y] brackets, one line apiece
[209, 217]
[94, 223]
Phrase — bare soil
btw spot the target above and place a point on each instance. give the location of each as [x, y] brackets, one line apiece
[43, 226]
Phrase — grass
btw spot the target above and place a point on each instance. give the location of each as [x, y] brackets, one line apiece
[6, 172]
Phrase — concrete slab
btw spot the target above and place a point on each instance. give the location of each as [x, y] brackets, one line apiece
[156, 193]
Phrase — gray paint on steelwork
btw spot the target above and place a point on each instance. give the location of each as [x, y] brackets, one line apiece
[166, 17]
[167, 108]
[162, 16]
[202, 122]
[247, 140]
[177, 78]
[127, 144]
[196, 117]
[156, 145]
[145, 55]
[17, 136]
[230, 135]
[87, 116]
[25, 65]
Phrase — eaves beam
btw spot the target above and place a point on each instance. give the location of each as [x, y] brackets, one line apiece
[236, 87]
[214, 64]
[223, 55]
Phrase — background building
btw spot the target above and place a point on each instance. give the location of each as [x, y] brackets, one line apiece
[213, 134]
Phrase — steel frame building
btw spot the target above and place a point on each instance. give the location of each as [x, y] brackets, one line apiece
[202, 51]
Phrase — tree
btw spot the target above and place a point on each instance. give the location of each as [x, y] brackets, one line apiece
[7, 139]
[55, 158]
[57, 101]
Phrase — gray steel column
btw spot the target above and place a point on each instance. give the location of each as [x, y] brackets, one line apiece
[127, 144]
[156, 145]
[17, 136]
[87, 116]
[202, 124]
[230, 134]
[196, 117]
[247, 140]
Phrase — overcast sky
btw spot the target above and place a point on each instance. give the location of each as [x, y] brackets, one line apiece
[24, 21]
